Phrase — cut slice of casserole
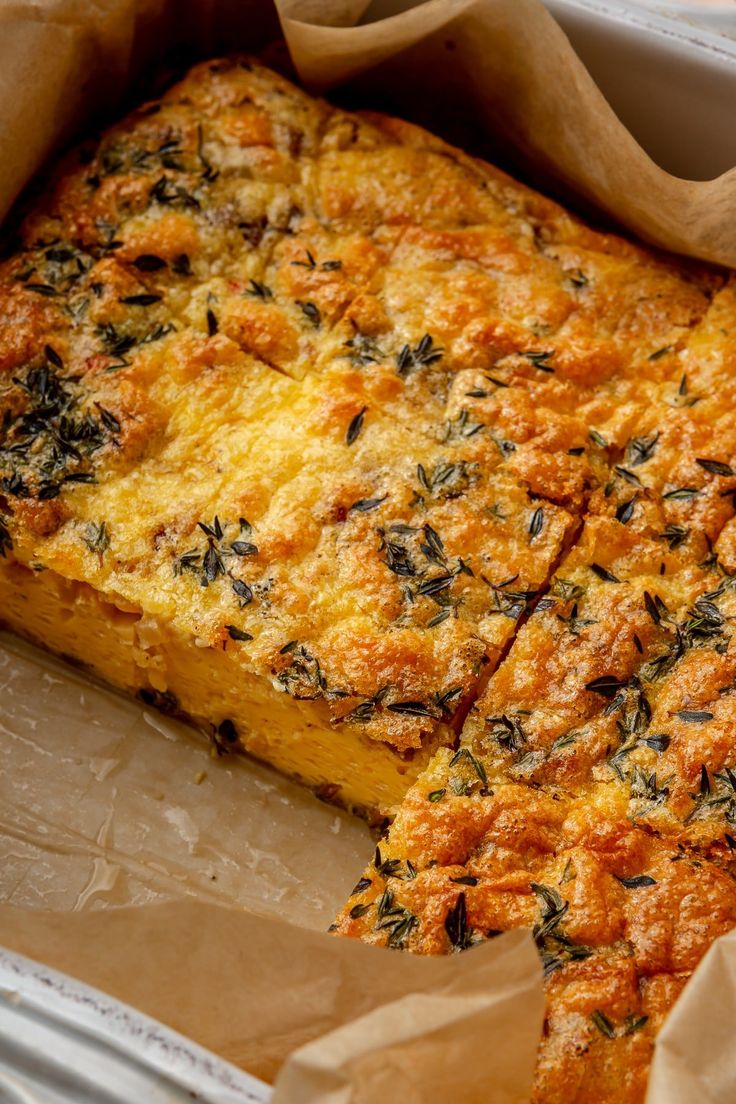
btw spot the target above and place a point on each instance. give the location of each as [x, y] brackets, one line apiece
[247, 565]
[215, 495]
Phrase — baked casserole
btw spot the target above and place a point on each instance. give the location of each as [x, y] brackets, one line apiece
[387, 470]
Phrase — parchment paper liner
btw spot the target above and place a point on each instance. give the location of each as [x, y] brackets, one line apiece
[385, 1026]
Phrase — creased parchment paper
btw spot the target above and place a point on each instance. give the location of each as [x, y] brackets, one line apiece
[387, 1027]
[126, 856]
[694, 1055]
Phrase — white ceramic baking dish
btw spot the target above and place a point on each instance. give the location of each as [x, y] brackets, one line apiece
[668, 71]
[62, 1042]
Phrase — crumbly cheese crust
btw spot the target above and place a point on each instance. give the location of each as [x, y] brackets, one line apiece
[221, 411]
[366, 426]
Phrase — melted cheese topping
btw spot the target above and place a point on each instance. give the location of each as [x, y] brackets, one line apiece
[388, 470]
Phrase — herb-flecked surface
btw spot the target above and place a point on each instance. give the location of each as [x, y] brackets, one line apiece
[397, 475]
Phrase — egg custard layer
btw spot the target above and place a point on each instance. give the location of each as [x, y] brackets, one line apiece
[384, 468]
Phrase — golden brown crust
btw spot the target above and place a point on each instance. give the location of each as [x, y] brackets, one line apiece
[321, 393]
[168, 288]
[621, 917]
